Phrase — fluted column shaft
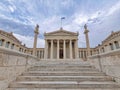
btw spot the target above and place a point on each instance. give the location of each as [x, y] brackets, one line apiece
[46, 50]
[57, 49]
[51, 49]
[70, 49]
[64, 47]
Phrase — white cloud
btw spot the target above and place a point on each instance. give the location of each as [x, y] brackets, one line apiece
[47, 14]
[67, 3]
[11, 8]
[80, 19]
[28, 40]
[114, 8]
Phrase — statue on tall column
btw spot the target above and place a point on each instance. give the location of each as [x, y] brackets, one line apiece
[85, 27]
[37, 26]
[86, 30]
[37, 29]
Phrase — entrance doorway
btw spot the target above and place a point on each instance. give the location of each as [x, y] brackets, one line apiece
[61, 53]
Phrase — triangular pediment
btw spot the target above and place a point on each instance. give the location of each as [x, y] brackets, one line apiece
[61, 32]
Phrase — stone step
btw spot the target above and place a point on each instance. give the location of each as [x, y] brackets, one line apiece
[64, 78]
[62, 69]
[61, 62]
[72, 85]
[63, 73]
[62, 66]
[63, 89]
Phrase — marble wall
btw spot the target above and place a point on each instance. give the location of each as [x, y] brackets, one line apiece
[108, 63]
[12, 64]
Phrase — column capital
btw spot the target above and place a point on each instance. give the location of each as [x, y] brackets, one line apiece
[51, 39]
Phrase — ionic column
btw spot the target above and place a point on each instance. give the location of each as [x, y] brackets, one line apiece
[70, 49]
[87, 40]
[46, 50]
[51, 50]
[64, 47]
[35, 39]
[57, 49]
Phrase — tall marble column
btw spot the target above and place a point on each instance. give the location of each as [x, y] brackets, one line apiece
[35, 39]
[57, 49]
[87, 40]
[51, 50]
[46, 49]
[64, 48]
[70, 49]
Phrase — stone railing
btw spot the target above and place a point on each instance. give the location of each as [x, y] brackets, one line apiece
[108, 63]
[12, 64]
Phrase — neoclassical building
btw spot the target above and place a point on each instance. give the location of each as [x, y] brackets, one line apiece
[60, 44]
[111, 43]
[8, 40]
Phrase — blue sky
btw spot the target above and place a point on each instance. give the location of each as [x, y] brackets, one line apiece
[21, 17]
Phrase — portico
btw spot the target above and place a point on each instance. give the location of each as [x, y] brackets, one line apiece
[61, 44]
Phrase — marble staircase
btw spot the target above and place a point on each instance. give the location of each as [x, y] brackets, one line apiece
[63, 75]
